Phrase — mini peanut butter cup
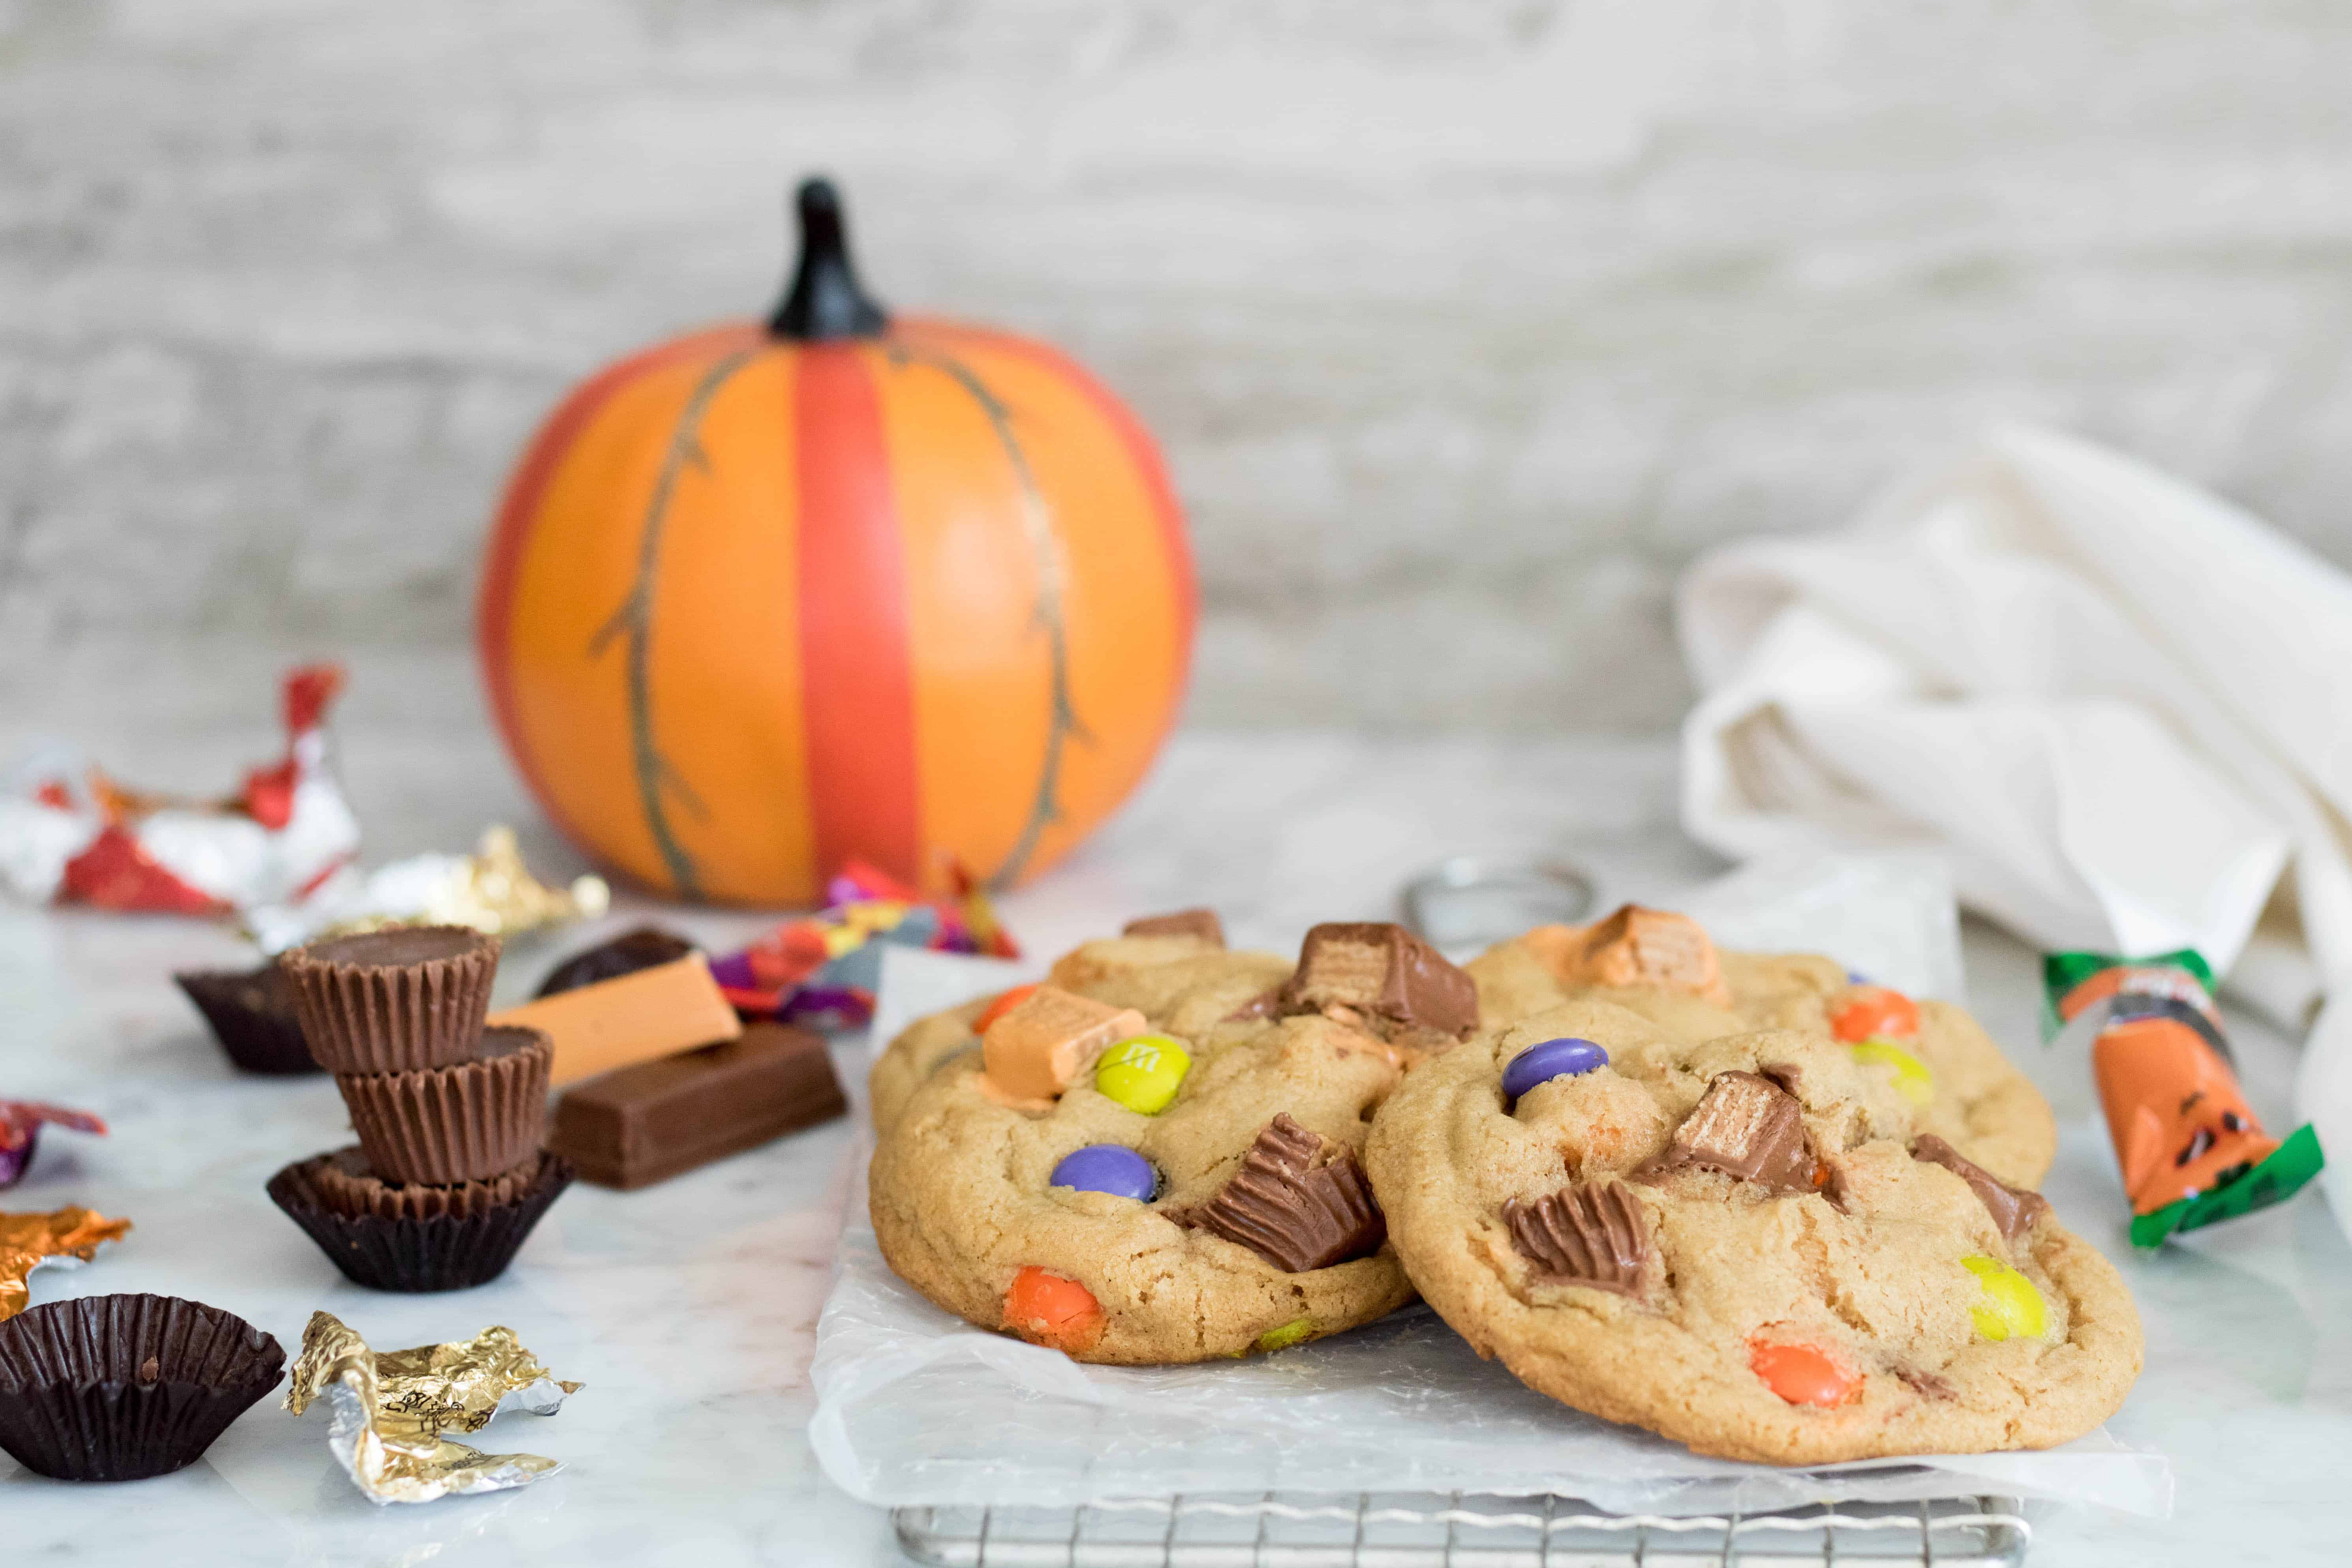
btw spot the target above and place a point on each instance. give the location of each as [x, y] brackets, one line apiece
[398, 1000]
[442, 1252]
[467, 1123]
[348, 1184]
[119, 1388]
[252, 1016]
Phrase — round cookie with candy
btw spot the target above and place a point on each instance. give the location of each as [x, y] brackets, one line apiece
[1154, 1155]
[1664, 967]
[1748, 1244]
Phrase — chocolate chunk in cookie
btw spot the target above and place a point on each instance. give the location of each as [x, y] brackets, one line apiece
[1297, 1201]
[1201, 924]
[1590, 1235]
[1749, 1126]
[1384, 974]
[2013, 1211]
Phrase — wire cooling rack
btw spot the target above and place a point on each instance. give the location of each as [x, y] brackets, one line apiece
[1299, 1530]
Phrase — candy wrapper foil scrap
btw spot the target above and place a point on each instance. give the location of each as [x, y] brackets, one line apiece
[490, 890]
[66, 1238]
[2191, 1150]
[69, 834]
[21, 1121]
[825, 970]
[390, 1409]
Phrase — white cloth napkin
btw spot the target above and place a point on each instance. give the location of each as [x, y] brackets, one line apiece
[2120, 709]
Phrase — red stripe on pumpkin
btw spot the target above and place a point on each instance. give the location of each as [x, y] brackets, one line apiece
[857, 698]
[519, 511]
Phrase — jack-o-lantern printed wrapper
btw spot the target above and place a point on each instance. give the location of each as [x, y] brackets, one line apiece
[2191, 1150]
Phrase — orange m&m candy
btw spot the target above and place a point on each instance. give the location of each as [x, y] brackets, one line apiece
[1004, 1003]
[1874, 1010]
[1803, 1375]
[1048, 1309]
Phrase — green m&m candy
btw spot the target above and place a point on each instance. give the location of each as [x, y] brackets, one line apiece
[1142, 1073]
[1289, 1334]
[1912, 1078]
[2010, 1307]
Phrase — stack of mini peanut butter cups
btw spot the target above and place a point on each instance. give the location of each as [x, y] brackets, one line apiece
[449, 1175]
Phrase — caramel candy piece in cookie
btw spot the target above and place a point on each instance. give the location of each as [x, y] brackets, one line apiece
[1036, 1048]
[1296, 1201]
[1203, 923]
[1385, 973]
[1590, 1235]
[1635, 947]
[1749, 1126]
[2013, 1211]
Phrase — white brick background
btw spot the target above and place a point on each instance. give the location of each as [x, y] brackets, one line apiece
[1464, 325]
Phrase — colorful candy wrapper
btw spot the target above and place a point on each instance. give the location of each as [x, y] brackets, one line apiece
[2191, 1150]
[67, 1238]
[71, 835]
[490, 890]
[823, 970]
[391, 1408]
[20, 1133]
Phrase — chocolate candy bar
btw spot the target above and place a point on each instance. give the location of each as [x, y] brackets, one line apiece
[1201, 924]
[1296, 1201]
[1746, 1126]
[1590, 1235]
[656, 1120]
[1385, 975]
[2013, 1211]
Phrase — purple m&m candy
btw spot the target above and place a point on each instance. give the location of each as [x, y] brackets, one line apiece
[1541, 1063]
[1108, 1168]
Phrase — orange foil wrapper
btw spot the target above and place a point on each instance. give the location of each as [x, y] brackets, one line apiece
[66, 1239]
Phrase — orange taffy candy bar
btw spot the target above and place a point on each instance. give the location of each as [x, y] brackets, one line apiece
[1037, 1046]
[1634, 947]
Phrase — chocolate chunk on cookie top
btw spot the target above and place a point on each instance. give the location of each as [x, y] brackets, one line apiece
[1298, 1202]
[1201, 924]
[1590, 1235]
[1384, 975]
[2013, 1211]
[1750, 1127]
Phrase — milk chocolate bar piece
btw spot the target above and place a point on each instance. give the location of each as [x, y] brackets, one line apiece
[649, 1123]
[1590, 1235]
[1296, 1201]
[1203, 923]
[1385, 972]
[2013, 1211]
[1750, 1127]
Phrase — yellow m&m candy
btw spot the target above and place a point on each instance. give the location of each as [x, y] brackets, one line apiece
[1912, 1078]
[1142, 1073]
[2010, 1308]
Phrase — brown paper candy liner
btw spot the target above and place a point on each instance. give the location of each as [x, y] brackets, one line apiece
[118, 1388]
[399, 1000]
[463, 1123]
[444, 1253]
[252, 1016]
[348, 1184]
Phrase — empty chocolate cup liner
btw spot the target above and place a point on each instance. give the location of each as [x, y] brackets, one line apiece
[118, 1388]
[463, 1123]
[398, 1000]
[348, 1184]
[252, 1016]
[444, 1253]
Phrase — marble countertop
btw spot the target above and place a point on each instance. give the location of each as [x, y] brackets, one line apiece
[688, 1310]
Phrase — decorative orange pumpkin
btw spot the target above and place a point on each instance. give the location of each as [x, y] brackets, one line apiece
[768, 598]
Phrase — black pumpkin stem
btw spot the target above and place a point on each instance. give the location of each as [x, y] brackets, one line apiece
[825, 301]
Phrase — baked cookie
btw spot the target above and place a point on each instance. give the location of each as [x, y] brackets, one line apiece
[1153, 1156]
[1746, 1243]
[1663, 967]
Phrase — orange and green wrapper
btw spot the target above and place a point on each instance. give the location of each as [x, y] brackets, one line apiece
[2192, 1152]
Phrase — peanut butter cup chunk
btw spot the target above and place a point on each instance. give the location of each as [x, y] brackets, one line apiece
[468, 1123]
[399, 1000]
[347, 1183]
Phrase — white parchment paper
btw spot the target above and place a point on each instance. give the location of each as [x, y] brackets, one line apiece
[916, 1406]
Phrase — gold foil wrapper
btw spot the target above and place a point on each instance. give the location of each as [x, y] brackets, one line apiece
[491, 889]
[67, 1238]
[390, 1410]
